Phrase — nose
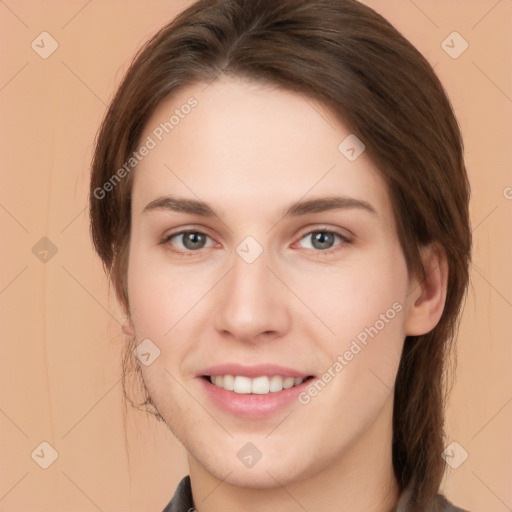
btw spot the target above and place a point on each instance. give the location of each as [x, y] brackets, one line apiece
[251, 302]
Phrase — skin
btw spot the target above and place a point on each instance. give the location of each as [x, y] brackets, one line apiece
[249, 151]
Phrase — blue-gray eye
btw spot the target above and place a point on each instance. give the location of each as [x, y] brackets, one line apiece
[323, 239]
[190, 240]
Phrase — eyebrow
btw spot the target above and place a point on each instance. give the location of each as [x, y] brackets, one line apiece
[303, 207]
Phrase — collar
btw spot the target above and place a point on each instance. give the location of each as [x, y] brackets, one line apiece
[404, 500]
[182, 500]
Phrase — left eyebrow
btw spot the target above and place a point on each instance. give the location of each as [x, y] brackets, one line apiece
[317, 205]
[323, 204]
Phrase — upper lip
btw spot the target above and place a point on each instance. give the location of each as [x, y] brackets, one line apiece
[253, 371]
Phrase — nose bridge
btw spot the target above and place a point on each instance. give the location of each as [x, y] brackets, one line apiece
[249, 274]
[249, 302]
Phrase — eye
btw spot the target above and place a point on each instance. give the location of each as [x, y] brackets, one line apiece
[191, 241]
[322, 240]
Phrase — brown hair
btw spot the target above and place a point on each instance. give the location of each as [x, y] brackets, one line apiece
[358, 65]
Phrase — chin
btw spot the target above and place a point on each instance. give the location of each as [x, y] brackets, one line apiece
[263, 475]
[259, 479]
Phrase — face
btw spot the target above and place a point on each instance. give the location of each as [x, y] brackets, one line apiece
[320, 290]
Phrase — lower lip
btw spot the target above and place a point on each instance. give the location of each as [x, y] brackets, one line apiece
[252, 405]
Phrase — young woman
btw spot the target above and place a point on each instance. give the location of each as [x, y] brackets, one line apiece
[280, 198]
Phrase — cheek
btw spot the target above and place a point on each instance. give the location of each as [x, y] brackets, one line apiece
[159, 294]
[365, 307]
[352, 298]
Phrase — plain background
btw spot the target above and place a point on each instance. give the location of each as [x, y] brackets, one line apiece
[61, 338]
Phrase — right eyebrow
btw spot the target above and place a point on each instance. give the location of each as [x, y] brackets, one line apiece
[182, 205]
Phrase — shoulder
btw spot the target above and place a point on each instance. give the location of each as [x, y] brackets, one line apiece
[443, 505]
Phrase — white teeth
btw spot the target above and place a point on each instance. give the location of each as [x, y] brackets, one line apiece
[242, 385]
[228, 382]
[276, 383]
[288, 382]
[259, 386]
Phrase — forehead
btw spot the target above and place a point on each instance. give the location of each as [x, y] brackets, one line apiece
[252, 147]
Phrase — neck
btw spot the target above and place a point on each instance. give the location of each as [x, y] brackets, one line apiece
[361, 479]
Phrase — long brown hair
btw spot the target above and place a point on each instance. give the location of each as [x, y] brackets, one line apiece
[358, 65]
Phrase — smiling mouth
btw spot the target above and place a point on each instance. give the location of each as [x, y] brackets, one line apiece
[262, 385]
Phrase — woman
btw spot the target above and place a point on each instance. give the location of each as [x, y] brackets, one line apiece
[280, 198]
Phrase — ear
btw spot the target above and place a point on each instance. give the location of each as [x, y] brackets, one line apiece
[127, 326]
[426, 297]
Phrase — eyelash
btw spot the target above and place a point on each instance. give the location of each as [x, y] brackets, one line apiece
[344, 240]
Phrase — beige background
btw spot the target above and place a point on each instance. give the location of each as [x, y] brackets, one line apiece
[61, 338]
